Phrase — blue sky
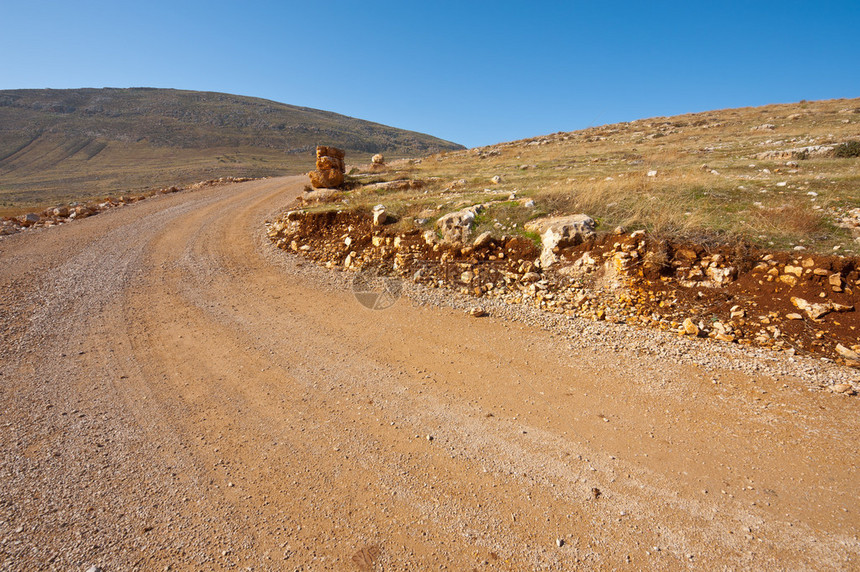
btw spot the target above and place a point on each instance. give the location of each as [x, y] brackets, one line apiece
[472, 72]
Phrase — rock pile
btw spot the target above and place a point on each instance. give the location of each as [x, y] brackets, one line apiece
[330, 168]
[728, 294]
[54, 216]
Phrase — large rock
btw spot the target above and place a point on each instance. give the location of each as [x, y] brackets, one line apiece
[29, 219]
[328, 179]
[329, 168]
[329, 163]
[457, 226]
[561, 232]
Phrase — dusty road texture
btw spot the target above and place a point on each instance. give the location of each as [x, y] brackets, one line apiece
[178, 394]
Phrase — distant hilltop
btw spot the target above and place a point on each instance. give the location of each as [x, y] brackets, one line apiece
[64, 142]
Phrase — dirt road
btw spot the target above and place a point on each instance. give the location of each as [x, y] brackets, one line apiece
[178, 394]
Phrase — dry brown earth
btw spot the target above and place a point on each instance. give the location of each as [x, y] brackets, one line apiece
[176, 393]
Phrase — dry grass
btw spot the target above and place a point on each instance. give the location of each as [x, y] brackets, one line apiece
[709, 182]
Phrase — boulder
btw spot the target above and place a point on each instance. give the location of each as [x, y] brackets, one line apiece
[457, 226]
[377, 159]
[561, 232]
[29, 219]
[327, 179]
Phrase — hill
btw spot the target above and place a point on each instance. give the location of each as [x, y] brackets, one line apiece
[779, 176]
[58, 145]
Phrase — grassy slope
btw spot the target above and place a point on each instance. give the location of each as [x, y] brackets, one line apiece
[709, 184]
[58, 145]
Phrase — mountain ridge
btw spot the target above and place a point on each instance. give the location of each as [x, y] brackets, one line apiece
[68, 143]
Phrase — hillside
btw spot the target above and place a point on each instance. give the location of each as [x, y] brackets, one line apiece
[60, 145]
[780, 176]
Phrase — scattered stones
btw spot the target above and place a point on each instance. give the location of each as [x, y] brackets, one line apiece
[626, 277]
[54, 216]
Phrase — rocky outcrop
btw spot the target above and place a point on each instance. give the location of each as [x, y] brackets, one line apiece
[456, 227]
[330, 168]
[561, 232]
[797, 153]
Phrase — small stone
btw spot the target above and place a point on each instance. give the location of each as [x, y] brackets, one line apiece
[496, 179]
[483, 239]
[690, 328]
[94, 569]
[477, 312]
[379, 215]
[652, 173]
[847, 353]
[793, 317]
[429, 437]
[559, 542]
[843, 388]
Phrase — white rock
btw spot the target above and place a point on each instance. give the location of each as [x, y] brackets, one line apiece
[380, 217]
[847, 353]
[457, 226]
[652, 173]
[562, 232]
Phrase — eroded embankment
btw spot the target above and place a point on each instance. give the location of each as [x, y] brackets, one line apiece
[732, 294]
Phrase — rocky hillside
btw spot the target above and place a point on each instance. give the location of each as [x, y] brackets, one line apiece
[75, 144]
[783, 177]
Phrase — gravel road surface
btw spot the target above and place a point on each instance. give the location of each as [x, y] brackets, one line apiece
[177, 394]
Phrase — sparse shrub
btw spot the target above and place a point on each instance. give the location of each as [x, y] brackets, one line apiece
[847, 150]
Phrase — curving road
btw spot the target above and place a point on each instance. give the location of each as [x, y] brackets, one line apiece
[177, 394]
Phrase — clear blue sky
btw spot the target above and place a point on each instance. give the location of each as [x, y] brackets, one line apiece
[471, 72]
